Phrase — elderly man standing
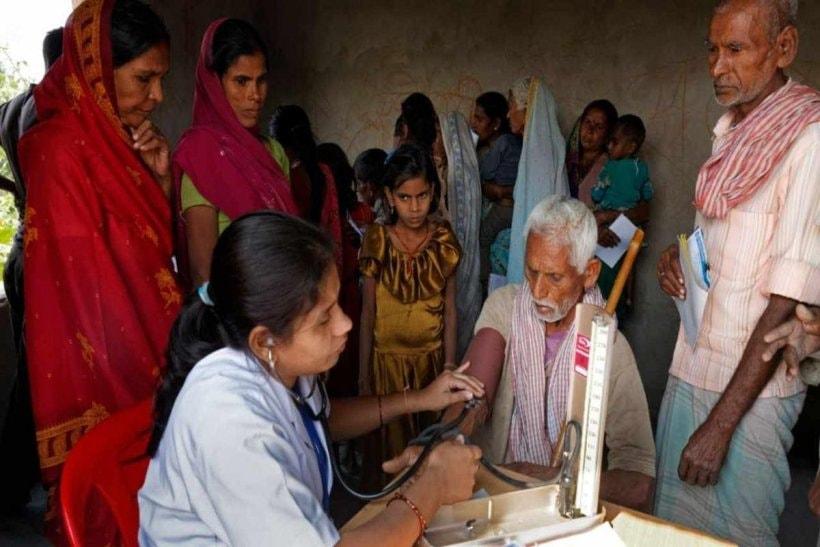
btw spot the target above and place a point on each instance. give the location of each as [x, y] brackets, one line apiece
[522, 351]
[727, 414]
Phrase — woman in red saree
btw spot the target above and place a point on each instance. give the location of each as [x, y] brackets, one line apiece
[100, 293]
[223, 166]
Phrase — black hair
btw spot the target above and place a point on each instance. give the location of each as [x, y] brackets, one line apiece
[233, 39]
[398, 127]
[610, 113]
[135, 28]
[420, 118]
[52, 46]
[267, 269]
[632, 127]
[411, 161]
[369, 166]
[496, 107]
[332, 155]
[291, 127]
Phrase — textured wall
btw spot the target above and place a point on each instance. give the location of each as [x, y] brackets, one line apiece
[350, 64]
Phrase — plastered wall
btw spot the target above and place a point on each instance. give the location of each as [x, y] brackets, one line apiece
[350, 64]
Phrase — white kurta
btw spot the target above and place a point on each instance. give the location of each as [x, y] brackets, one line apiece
[235, 465]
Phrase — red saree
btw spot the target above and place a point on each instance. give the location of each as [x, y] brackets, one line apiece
[100, 295]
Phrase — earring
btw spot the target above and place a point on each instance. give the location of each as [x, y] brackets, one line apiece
[271, 361]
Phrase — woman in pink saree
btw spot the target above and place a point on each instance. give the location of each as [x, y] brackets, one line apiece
[223, 166]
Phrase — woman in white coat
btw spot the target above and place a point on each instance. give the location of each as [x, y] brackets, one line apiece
[239, 454]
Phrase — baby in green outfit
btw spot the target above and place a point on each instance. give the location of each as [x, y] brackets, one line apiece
[624, 180]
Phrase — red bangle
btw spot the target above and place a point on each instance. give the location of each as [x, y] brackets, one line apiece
[412, 506]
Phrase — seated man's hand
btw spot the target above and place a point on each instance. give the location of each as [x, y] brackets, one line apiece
[628, 488]
[799, 337]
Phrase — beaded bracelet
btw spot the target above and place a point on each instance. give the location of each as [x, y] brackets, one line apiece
[412, 506]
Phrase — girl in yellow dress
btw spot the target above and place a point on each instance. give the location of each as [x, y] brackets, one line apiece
[408, 326]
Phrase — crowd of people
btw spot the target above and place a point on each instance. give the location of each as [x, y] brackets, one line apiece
[226, 276]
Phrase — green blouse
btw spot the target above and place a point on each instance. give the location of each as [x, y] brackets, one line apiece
[190, 196]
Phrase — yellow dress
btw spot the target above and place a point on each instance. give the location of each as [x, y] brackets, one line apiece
[408, 331]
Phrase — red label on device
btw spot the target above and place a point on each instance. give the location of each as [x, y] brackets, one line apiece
[582, 345]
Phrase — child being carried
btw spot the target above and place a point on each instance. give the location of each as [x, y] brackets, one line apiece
[624, 180]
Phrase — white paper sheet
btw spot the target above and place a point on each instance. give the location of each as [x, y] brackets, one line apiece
[638, 531]
[624, 229]
[691, 308]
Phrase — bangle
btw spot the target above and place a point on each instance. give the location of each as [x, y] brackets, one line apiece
[412, 506]
[381, 416]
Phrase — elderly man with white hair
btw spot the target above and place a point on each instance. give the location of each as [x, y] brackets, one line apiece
[522, 351]
[725, 423]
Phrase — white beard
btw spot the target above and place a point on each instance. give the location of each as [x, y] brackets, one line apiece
[559, 310]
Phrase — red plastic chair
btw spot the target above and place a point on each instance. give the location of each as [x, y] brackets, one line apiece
[110, 459]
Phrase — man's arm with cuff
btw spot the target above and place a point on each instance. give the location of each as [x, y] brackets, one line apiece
[486, 354]
[486, 357]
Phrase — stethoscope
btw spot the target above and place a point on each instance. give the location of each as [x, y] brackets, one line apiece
[301, 401]
[428, 439]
